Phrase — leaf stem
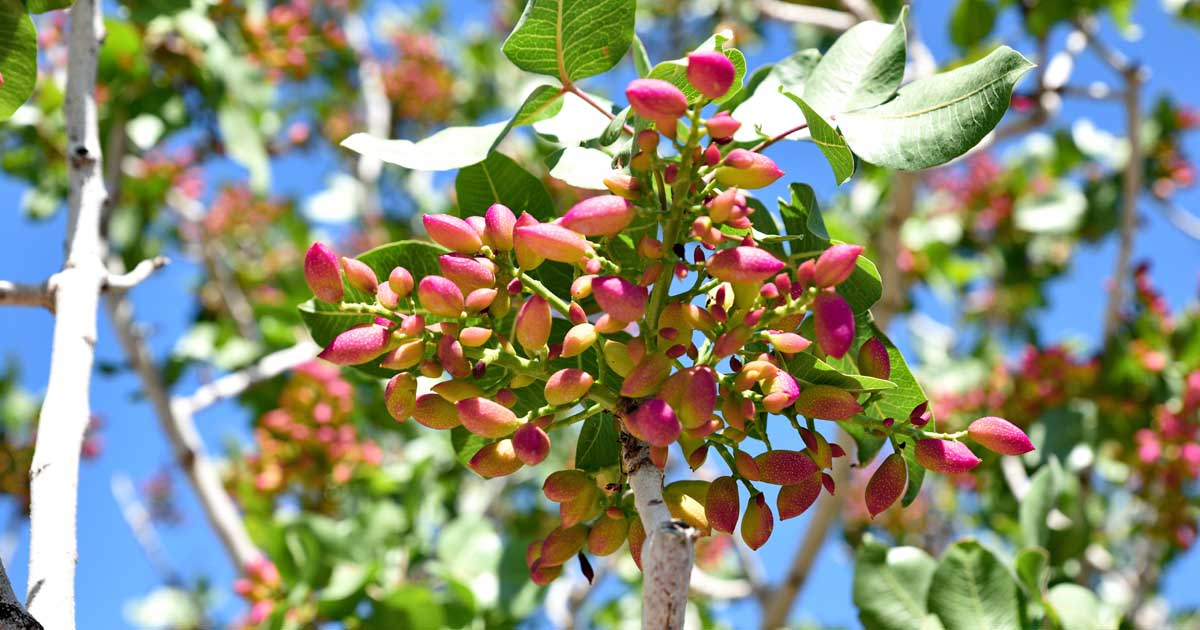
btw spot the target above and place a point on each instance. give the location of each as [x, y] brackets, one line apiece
[570, 87]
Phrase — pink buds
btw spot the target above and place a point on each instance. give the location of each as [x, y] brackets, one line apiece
[747, 169]
[656, 100]
[873, 359]
[786, 342]
[435, 412]
[567, 385]
[710, 72]
[833, 323]
[440, 296]
[357, 345]
[495, 460]
[466, 272]
[608, 534]
[646, 377]
[743, 264]
[722, 503]
[533, 324]
[322, 274]
[886, 484]
[605, 215]
[835, 265]
[562, 544]
[784, 468]
[945, 456]
[553, 242]
[499, 222]
[360, 275]
[401, 282]
[531, 444]
[758, 522]
[620, 298]
[722, 126]
[452, 233]
[487, 418]
[1000, 436]
[655, 422]
[624, 186]
[795, 499]
[699, 397]
[825, 402]
[400, 396]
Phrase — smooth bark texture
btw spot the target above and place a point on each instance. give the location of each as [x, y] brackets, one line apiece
[668, 553]
[17, 294]
[65, 414]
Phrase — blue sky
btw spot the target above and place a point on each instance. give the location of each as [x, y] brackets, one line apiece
[112, 568]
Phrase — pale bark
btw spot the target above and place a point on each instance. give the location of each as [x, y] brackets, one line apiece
[1131, 187]
[18, 294]
[65, 413]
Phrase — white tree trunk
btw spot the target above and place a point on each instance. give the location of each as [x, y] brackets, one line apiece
[65, 413]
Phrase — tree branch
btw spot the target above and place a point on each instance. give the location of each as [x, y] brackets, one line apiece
[130, 279]
[180, 429]
[805, 14]
[65, 414]
[17, 294]
[1131, 184]
[12, 613]
[1183, 220]
[138, 518]
[235, 383]
[668, 552]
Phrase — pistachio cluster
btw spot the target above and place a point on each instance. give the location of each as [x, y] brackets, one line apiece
[702, 367]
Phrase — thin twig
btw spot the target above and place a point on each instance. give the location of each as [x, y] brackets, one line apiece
[831, 19]
[139, 274]
[585, 97]
[137, 517]
[17, 294]
[1183, 220]
[65, 414]
[235, 383]
[1131, 184]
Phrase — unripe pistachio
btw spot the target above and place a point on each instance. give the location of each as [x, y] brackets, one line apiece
[999, 436]
[804, 276]
[360, 275]
[386, 296]
[835, 265]
[873, 359]
[712, 155]
[567, 485]
[658, 456]
[616, 355]
[786, 342]
[495, 460]
[529, 257]
[480, 299]
[487, 418]
[624, 186]
[440, 297]
[576, 314]
[737, 411]
[795, 499]
[562, 544]
[818, 448]
[543, 575]
[747, 466]
[780, 391]
[722, 126]
[637, 539]
[685, 500]
[434, 412]
[498, 225]
[710, 72]
[647, 140]
[531, 444]
[322, 274]
[578, 340]
[642, 160]
[647, 376]
[358, 345]
[567, 386]
[466, 272]
[920, 415]
[400, 396]
[608, 534]
[404, 356]
[656, 422]
[656, 99]
[732, 341]
[826, 402]
[603, 215]
[620, 298]
[474, 336]
[887, 484]
[554, 242]
[758, 522]
[784, 468]
[401, 281]
[452, 357]
[743, 264]
[722, 504]
[945, 456]
[696, 458]
[430, 368]
[699, 399]
[650, 247]
[746, 169]
[479, 224]
[452, 233]
[456, 390]
[833, 323]
[533, 324]
[721, 208]
[581, 287]
[412, 326]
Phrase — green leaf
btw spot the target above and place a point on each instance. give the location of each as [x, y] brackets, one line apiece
[936, 119]
[446, 150]
[1037, 504]
[891, 585]
[760, 106]
[545, 101]
[831, 143]
[345, 588]
[812, 371]
[245, 145]
[571, 39]
[641, 60]
[1033, 570]
[581, 167]
[615, 128]
[675, 70]
[598, 445]
[18, 57]
[972, 21]
[802, 217]
[862, 69]
[1078, 608]
[42, 6]
[499, 179]
[407, 606]
[974, 590]
[867, 442]
[466, 444]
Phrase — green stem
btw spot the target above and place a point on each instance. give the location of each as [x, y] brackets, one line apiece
[540, 289]
[576, 417]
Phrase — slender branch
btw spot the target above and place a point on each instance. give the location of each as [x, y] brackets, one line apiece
[831, 19]
[235, 383]
[17, 294]
[668, 551]
[65, 414]
[758, 148]
[137, 517]
[585, 97]
[180, 429]
[1131, 184]
[861, 9]
[130, 279]
[376, 110]
[1183, 220]
[12, 613]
